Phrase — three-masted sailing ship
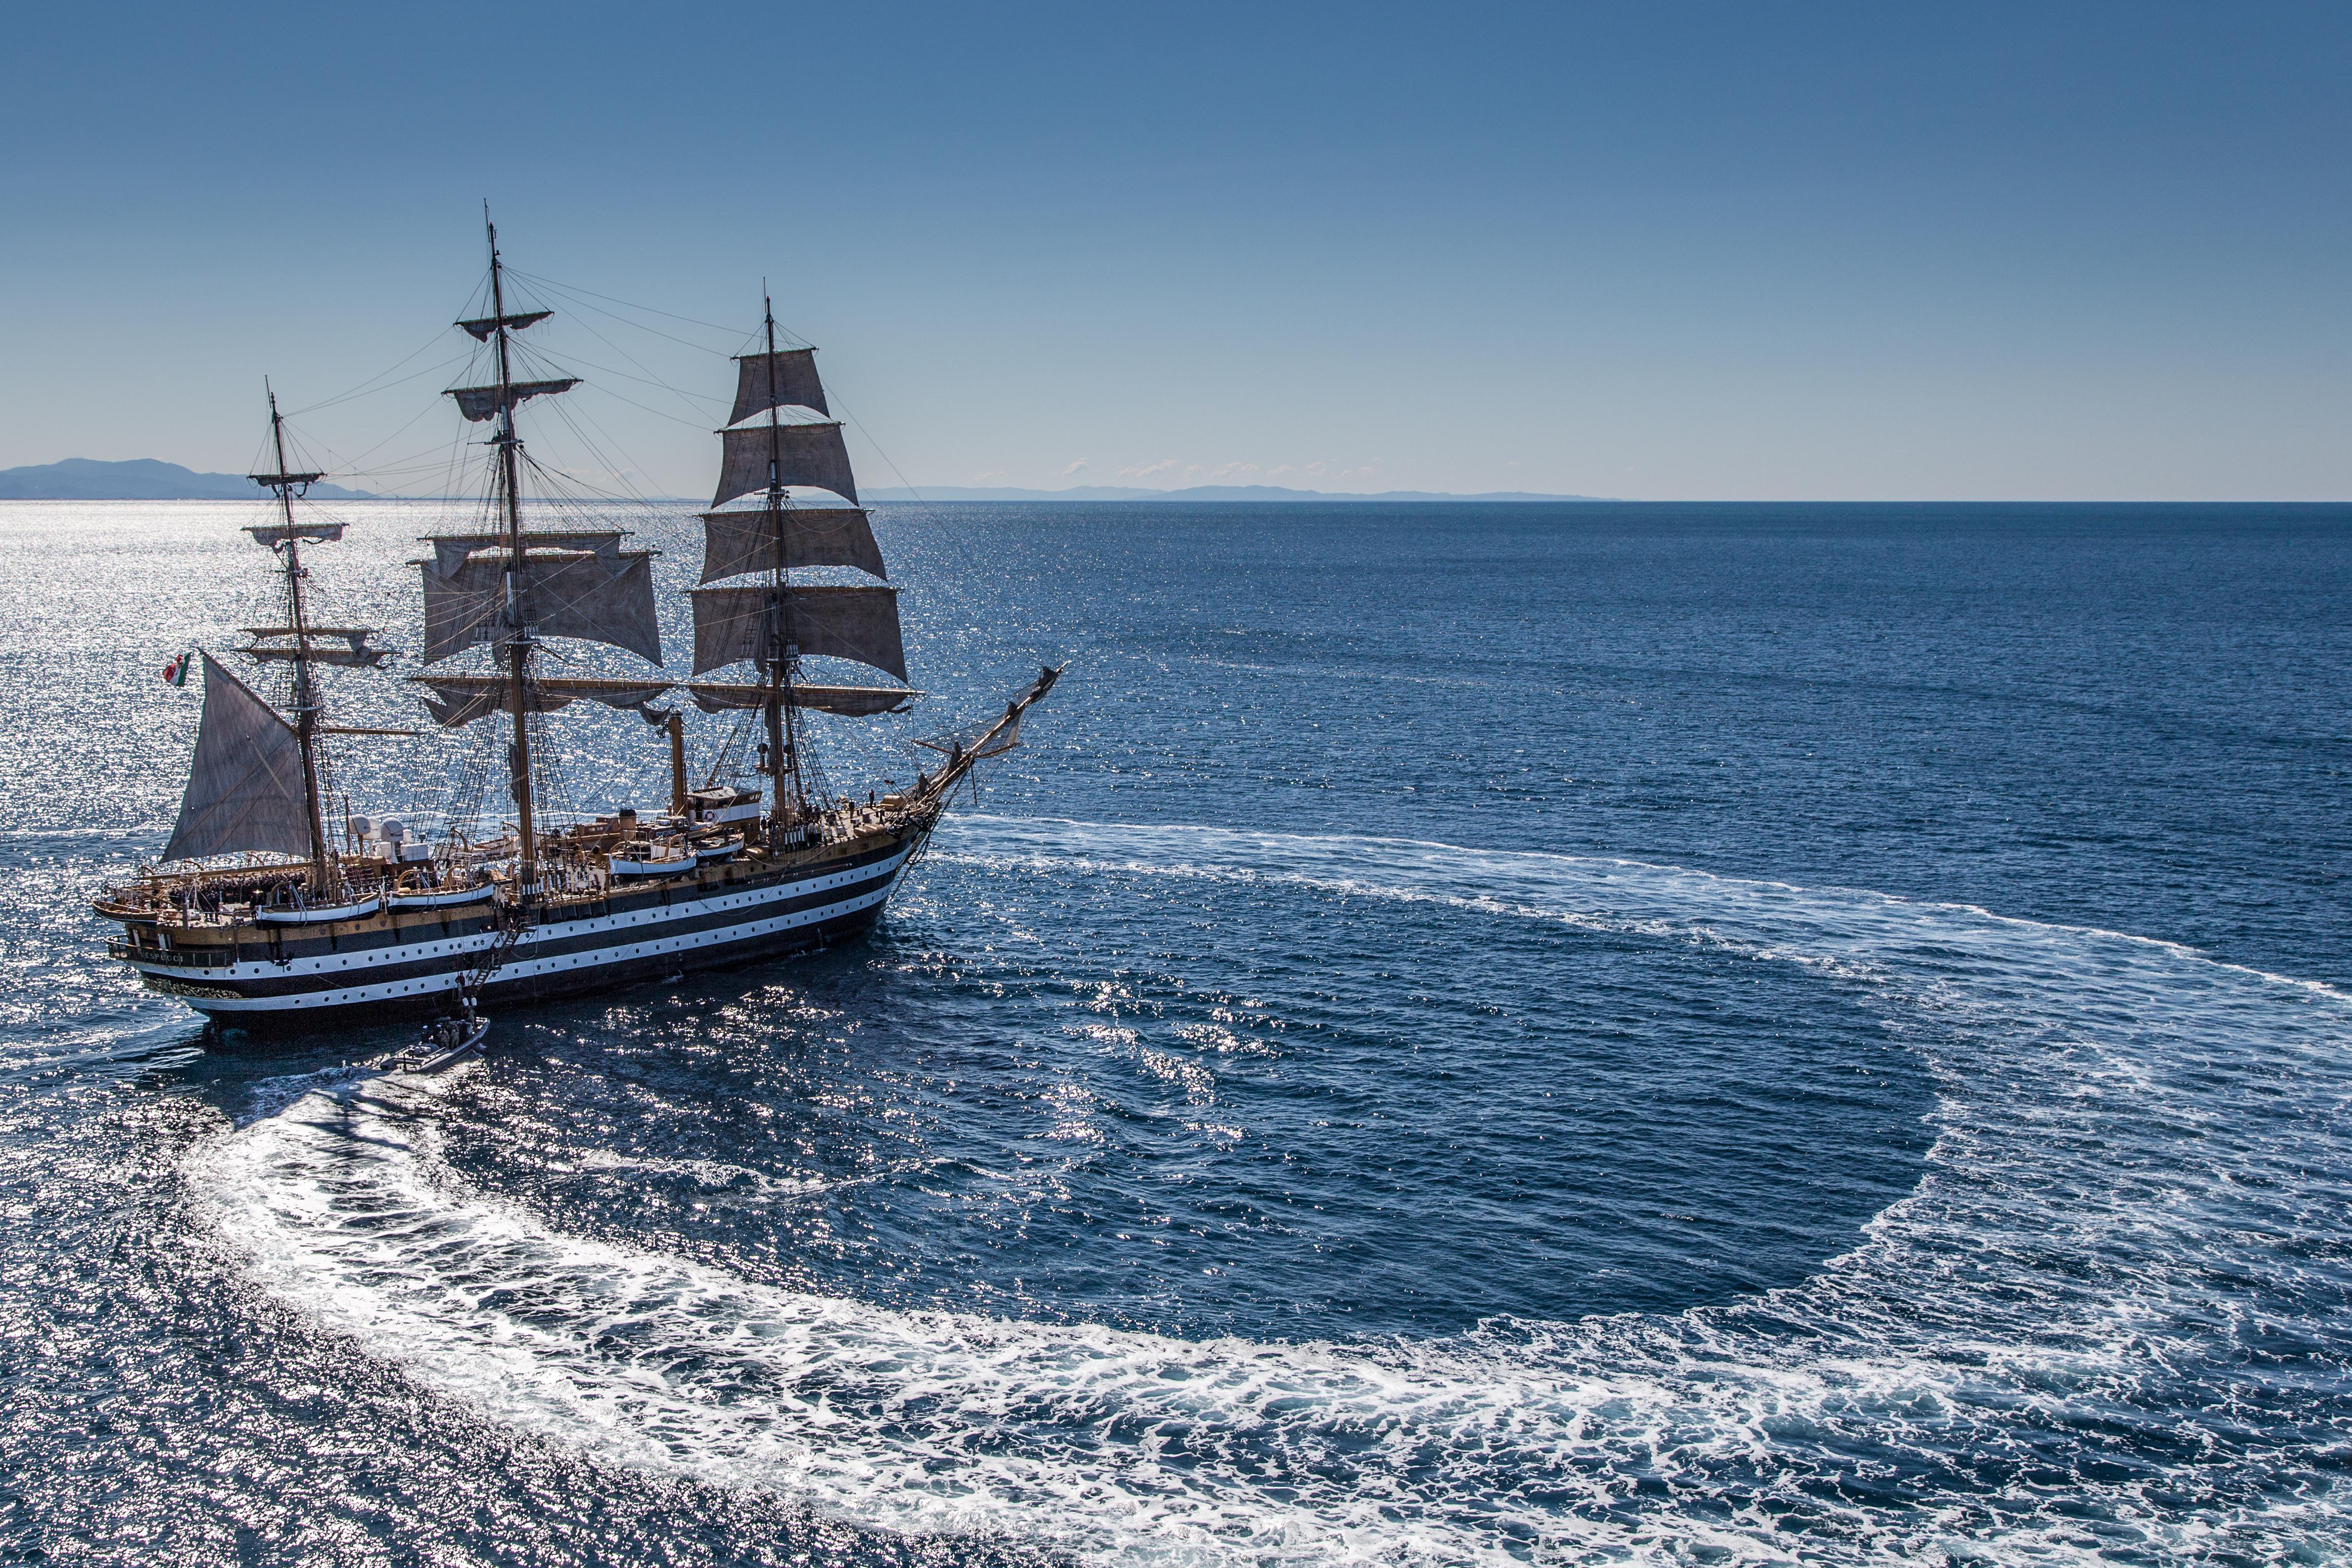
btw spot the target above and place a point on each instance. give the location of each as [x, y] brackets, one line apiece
[322, 920]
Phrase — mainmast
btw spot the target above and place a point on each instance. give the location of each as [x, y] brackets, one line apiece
[783, 738]
[509, 587]
[516, 622]
[306, 701]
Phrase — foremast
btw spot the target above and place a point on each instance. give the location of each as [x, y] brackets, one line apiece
[787, 500]
[782, 748]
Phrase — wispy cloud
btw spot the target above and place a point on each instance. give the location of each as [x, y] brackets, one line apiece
[1235, 471]
[991, 473]
[1146, 470]
[1078, 468]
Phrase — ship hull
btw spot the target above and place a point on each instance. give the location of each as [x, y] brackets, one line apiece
[384, 970]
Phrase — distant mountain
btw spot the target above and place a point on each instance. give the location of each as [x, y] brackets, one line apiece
[1201, 493]
[140, 479]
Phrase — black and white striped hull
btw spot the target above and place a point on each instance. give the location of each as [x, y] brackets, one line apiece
[642, 935]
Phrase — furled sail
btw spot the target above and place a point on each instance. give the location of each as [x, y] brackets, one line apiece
[786, 377]
[860, 623]
[276, 534]
[344, 645]
[450, 550]
[565, 594]
[741, 541]
[483, 326]
[806, 454]
[478, 403]
[456, 700]
[849, 702]
[244, 785]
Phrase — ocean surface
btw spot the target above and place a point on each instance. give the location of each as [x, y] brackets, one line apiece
[1468, 1035]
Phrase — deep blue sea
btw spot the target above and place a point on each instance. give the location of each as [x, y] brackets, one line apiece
[1468, 1035]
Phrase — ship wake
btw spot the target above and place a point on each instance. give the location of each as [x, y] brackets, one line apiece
[2131, 1210]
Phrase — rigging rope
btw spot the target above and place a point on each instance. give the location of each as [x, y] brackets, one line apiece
[651, 310]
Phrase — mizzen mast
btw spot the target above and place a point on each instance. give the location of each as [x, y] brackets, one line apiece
[306, 702]
[298, 651]
[257, 782]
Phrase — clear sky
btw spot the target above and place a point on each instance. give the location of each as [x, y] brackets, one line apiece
[1837, 251]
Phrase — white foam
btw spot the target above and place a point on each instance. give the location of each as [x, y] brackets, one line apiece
[2109, 1127]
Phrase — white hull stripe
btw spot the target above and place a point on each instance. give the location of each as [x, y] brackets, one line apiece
[519, 968]
[413, 952]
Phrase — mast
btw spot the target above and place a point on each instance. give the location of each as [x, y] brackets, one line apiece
[780, 436]
[508, 587]
[675, 723]
[306, 704]
[518, 626]
[783, 740]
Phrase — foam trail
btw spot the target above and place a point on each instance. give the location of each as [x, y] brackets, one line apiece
[2135, 1149]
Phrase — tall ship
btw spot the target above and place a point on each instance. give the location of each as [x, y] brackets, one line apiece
[326, 918]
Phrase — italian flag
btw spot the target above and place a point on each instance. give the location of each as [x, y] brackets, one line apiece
[176, 672]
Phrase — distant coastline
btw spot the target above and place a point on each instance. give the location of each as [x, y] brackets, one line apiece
[1201, 493]
[139, 479]
[148, 479]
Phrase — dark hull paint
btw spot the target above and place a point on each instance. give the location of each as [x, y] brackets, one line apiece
[373, 975]
[618, 975]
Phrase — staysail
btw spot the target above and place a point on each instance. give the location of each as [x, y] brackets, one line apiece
[244, 785]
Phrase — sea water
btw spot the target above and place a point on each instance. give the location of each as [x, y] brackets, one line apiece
[1468, 1034]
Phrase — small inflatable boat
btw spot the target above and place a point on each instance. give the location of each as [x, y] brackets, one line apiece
[443, 1044]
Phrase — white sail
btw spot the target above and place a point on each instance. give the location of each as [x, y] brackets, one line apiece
[245, 784]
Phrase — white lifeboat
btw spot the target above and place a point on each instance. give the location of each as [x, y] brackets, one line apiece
[301, 913]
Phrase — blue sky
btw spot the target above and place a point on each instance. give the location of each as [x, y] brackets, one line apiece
[1679, 252]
